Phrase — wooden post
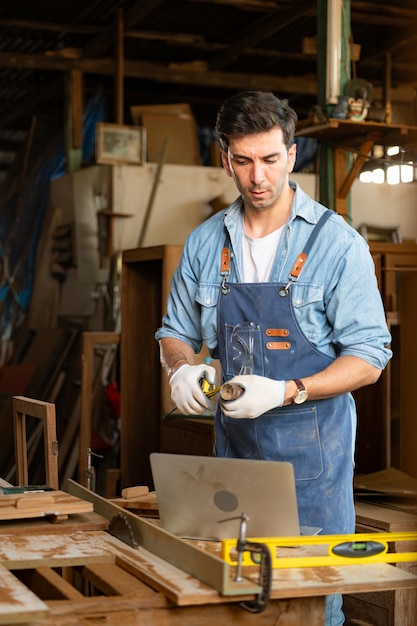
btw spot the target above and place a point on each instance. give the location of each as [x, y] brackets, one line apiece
[90, 340]
[119, 65]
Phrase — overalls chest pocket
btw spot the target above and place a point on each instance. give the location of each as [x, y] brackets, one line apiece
[207, 296]
[308, 303]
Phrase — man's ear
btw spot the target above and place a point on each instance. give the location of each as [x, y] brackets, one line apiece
[225, 161]
[292, 155]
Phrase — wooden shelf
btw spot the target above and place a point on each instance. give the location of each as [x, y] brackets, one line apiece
[347, 135]
[352, 134]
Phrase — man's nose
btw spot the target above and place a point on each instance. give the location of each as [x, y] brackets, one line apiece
[258, 174]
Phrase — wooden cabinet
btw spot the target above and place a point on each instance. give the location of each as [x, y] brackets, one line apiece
[145, 393]
[384, 608]
[146, 278]
[187, 435]
[387, 415]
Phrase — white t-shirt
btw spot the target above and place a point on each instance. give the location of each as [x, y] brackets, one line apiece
[259, 255]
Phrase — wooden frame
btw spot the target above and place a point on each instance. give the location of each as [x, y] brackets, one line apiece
[117, 143]
[44, 411]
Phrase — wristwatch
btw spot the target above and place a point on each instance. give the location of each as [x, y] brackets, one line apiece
[301, 394]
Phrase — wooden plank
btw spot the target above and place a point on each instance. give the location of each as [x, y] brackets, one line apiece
[42, 526]
[18, 604]
[294, 583]
[115, 611]
[112, 580]
[23, 552]
[12, 506]
[47, 583]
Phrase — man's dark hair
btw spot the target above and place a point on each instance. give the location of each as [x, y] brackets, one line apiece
[250, 112]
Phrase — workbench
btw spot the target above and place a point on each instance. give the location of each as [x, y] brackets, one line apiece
[76, 572]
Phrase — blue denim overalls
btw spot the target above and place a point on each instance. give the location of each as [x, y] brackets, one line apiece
[259, 334]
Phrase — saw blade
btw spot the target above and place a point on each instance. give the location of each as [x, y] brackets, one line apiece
[119, 527]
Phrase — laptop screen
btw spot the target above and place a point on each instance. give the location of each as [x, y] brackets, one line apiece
[204, 497]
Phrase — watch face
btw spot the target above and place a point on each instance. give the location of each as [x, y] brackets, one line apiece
[301, 397]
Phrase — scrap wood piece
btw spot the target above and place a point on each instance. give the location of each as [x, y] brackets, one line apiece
[134, 492]
[148, 502]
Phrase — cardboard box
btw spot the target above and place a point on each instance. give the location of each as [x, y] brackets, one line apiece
[173, 123]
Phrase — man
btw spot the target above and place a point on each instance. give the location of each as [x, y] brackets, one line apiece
[283, 292]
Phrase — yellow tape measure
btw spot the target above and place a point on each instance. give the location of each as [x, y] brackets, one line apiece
[209, 389]
[342, 550]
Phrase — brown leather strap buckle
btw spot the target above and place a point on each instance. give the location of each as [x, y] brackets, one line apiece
[225, 269]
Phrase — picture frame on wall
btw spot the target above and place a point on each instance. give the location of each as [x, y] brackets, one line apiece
[119, 143]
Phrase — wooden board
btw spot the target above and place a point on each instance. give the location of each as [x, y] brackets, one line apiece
[23, 552]
[12, 506]
[42, 526]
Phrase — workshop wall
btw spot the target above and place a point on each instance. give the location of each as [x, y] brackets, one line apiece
[165, 211]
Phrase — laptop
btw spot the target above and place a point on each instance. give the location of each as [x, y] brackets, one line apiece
[203, 497]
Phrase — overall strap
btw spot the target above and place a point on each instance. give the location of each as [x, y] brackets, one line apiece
[302, 258]
[225, 269]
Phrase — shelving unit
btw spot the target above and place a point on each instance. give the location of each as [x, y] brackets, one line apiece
[360, 137]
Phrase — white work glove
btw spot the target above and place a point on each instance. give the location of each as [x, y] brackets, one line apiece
[259, 395]
[186, 391]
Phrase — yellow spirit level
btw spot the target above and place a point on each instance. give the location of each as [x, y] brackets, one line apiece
[341, 550]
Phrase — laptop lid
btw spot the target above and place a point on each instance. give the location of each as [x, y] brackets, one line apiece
[197, 493]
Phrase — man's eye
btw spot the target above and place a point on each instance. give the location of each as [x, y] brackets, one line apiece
[270, 161]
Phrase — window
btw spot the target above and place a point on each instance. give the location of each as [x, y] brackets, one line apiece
[388, 165]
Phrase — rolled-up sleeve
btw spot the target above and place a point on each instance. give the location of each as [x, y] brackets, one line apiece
[355, 308]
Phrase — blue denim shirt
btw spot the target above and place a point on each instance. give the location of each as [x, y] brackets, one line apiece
[336, 299]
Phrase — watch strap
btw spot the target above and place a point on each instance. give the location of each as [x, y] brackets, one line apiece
[300, 387]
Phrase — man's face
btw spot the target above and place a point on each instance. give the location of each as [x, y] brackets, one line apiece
[259, 164]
